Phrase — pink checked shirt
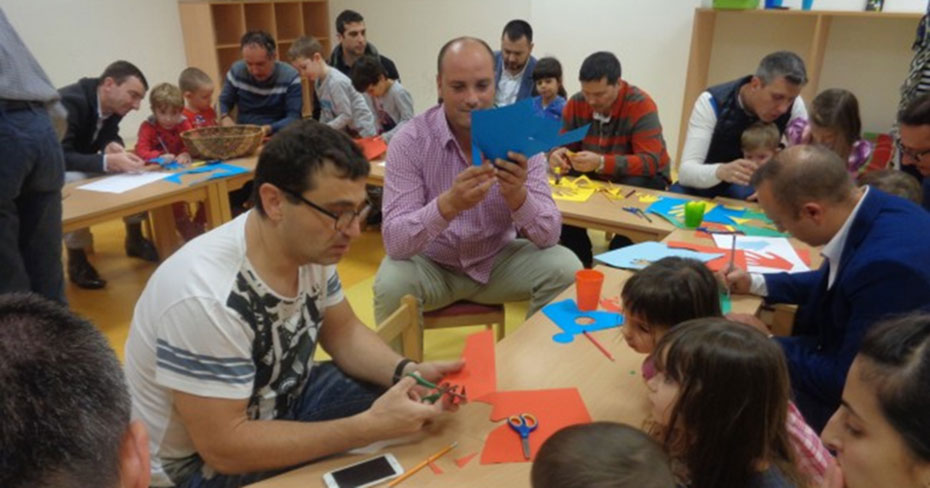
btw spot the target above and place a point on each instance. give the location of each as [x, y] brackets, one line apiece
[423, 160]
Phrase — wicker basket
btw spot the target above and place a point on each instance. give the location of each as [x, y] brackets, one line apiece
[223, 142]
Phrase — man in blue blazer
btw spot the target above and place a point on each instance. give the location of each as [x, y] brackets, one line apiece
[876, 264]
[514, 64]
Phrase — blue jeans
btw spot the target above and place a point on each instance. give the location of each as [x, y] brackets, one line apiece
[329, 394]
[728, 190]
[32, 168]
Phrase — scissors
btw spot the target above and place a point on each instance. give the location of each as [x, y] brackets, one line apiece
[638, 212]
[523, 424]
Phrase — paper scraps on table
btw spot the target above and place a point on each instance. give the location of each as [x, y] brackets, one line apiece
[567, 316]
[717, 264]
[219, 170]
[638, 256]
[164, 163]
[436, 469]
[572, 189]
[555, 409]
[766, 254]
[517, 128]
[462, 461]
[124, 182]
[479, 376]
[373, 147]
[611, 304]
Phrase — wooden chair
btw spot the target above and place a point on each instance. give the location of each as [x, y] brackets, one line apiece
[464, 313]
[404, 323]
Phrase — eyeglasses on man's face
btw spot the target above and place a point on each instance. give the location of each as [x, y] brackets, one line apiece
[341, 220]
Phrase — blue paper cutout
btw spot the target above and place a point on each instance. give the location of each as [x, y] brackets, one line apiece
[516, 128]
[219, 170]
[671, 209]
[565, 313]
[638, 256]
[722, 214]
[164, 163]
[726, 304]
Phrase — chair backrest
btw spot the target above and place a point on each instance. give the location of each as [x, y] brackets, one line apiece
[404, 323]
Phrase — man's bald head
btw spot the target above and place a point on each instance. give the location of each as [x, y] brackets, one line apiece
[806, 173]
[464, 46]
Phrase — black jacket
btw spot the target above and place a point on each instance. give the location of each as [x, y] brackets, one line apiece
[83, 152]
[337, 60]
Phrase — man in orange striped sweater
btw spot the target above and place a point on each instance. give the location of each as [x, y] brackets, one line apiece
[624, 144]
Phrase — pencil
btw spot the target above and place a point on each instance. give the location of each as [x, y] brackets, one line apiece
[732, 259]
[422, 465]
[630, 194]
[598, 345]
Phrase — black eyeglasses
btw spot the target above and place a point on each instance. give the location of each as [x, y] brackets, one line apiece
[916, 156]
[342, 220]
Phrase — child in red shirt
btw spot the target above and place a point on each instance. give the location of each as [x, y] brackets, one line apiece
[160, 137]
[197, 88]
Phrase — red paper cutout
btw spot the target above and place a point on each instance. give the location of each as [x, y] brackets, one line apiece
[372, 147]
[768, 260]
[555, 409]
[717, 264]
[462, 461]
[436, 469]
[611, 304]
[479, 376]
[805, 255]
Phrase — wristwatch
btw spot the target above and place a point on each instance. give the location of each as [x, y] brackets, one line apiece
[600, 165]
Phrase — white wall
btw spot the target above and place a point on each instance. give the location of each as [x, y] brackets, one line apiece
[75, 38]
[79, 38]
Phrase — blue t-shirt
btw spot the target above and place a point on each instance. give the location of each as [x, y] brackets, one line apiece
[553, 111]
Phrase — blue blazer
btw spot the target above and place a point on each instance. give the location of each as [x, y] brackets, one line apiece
[527, 86]
[884, 270]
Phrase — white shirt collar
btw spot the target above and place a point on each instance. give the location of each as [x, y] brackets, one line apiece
[833, 251]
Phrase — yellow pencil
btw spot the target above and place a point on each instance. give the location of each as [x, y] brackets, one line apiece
[422, 465]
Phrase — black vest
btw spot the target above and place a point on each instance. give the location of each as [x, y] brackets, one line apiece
[732, 120]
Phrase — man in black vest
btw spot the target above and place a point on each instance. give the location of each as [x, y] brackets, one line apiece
[712, 162]
[353, 44]
[92, 146]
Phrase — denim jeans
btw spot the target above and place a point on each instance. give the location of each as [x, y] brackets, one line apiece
[32, 168]
[329, 394]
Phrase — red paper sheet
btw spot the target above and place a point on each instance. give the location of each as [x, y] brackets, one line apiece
[718, 264]
[462, 461]
[554, 409]
[372, 147]
[479, 376]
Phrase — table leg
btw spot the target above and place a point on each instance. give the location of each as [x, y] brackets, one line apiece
[165, 236]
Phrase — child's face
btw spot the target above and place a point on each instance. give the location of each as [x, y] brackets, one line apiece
[168, 117]
[378, 89]
[309, 68]
[638, 335]
[547, 87]
[825, 137]
[201, 99]
[760, 156]
[663, 393]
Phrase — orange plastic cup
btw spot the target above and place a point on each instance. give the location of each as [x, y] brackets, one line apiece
[588, 284]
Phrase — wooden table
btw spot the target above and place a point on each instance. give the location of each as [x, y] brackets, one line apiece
[526, 359]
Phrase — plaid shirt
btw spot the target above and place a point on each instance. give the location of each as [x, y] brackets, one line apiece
[813, 458]
[631, 140]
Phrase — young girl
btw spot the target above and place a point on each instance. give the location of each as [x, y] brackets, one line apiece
[880, 434]
[720, 406]
[548, 78]
[834, 123]
[674, 290]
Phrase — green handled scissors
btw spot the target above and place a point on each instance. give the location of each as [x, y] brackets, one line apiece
[523, 424]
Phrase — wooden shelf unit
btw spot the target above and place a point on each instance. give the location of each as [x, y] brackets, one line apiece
[710, 23]
[212, 30]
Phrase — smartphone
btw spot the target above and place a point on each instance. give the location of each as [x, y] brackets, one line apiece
[369, 472]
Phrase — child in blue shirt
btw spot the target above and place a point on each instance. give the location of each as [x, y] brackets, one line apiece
[548, 78]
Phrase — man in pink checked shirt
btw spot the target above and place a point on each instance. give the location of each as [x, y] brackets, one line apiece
[451, 229]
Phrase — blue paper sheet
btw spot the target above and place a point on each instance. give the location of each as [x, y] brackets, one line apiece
[219, 170]
[671, 209]
[516, 128]
[638, 256]
[565, 314]
[164, 163]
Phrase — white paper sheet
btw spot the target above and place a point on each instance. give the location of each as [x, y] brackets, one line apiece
[762, 248]
[124, 182]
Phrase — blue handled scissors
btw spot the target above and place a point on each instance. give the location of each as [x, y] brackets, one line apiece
[523, 424]
[638, 212]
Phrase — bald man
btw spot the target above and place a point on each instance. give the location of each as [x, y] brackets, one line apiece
[454, 231]
[876, 264]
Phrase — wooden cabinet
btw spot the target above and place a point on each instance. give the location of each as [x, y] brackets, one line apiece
[865, 52]
[212, 29]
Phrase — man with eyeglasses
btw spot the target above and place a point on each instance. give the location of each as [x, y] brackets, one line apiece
[219, 358]
[914, 142]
